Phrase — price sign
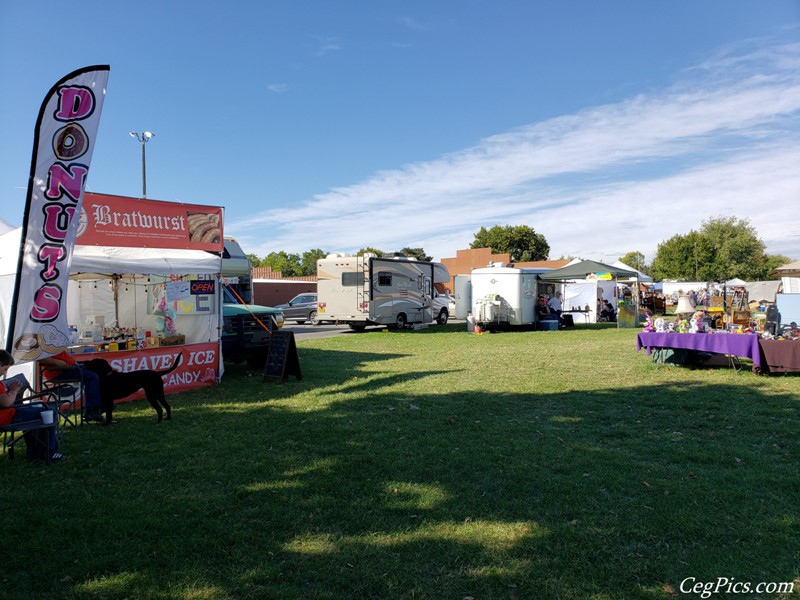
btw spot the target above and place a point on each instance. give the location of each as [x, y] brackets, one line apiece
[282, 359]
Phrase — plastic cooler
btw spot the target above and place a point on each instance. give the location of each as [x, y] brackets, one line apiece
[548, 325]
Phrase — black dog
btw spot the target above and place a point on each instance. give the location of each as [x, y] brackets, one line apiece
[115, 385]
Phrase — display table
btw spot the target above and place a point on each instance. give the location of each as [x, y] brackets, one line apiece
[577, 311]
[745, 345]
[780, 356]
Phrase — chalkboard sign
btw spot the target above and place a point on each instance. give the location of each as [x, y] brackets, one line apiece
[282, 357]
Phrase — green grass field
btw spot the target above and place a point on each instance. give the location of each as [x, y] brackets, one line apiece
[433, 464]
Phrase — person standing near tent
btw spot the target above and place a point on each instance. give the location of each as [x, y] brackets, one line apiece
[62, 367]
[13, 412]
[555, 305]
[693, 298]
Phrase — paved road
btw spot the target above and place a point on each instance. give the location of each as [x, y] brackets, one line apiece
[305, 332]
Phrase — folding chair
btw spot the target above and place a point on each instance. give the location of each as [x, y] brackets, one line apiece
[69, 395]
[14, 432]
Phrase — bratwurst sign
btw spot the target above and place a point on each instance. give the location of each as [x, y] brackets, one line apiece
[137, 223]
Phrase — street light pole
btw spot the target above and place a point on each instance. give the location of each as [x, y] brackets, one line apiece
[144, 138]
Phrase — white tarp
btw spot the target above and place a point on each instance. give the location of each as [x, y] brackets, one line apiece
[580, 294]
[762, 290]
[791, 285]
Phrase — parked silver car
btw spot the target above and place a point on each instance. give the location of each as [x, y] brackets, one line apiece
[301, 308]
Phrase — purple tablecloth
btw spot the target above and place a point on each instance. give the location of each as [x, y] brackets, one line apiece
[737, 344]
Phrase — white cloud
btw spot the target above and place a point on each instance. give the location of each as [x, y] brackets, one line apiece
[410, 23]
[723, 140]
[326, 45]
[278, 88]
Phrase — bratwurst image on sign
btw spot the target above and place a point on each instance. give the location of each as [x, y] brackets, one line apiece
[204, 227]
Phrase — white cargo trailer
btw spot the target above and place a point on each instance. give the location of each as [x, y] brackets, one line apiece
[504, 295]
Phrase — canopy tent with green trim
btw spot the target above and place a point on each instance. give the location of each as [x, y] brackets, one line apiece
[593, 270]
[585, 268]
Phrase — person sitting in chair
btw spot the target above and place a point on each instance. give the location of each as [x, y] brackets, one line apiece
[541, 311]
[607, 312]
[39, 441]
[62, 367]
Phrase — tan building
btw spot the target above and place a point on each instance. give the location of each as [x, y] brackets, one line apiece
[271, 287]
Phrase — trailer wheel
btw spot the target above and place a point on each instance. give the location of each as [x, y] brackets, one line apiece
[357, 326]
[313, 318]
[442, 318]
[400, 322]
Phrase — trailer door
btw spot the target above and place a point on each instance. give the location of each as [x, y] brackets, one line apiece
[427, 299]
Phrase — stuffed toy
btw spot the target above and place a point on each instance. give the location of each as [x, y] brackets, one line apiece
[696, 323]
[671, 327]
[648, 322]
[683, 326]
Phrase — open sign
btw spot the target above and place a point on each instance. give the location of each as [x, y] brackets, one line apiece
[203, 287]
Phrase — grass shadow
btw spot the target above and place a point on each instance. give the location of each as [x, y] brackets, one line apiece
[375, 478]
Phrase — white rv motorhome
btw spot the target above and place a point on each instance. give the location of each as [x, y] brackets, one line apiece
[367, 290]
[504, 295]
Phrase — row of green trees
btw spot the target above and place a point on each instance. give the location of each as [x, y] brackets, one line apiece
[723, 248]
[297, 265]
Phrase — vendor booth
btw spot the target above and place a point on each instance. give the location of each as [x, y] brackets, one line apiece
[588, 283]
[144, 287]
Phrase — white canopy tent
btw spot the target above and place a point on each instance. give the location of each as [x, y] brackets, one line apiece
[735, 282]
[641, 276]
[99, 276]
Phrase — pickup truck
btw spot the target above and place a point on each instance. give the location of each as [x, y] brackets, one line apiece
[244, 330]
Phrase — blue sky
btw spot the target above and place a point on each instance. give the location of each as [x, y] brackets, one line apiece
[606, 126]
